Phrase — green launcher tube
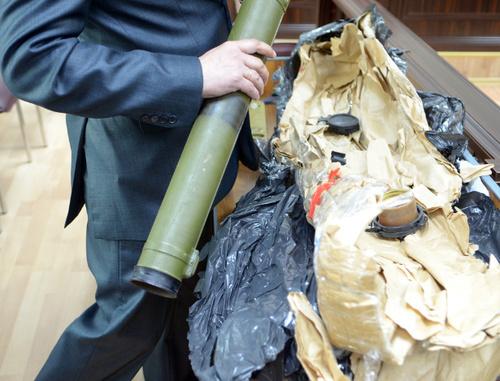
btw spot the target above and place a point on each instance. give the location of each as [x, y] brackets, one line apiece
[169, 254]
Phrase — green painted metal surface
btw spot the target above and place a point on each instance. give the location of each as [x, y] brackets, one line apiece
[169, 254]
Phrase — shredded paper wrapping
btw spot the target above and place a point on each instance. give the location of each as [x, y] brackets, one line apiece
[422, 306]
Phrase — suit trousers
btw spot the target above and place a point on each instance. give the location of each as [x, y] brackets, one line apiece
[170, 359]
[112, 339]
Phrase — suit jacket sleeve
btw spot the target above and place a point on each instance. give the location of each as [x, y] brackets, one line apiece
[44, 61]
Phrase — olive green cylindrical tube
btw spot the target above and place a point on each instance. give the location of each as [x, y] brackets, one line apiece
[169, 254]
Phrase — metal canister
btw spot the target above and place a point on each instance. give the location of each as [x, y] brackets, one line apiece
[169, 254]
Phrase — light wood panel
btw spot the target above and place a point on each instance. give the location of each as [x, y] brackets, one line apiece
[44, 279]
[481, 67]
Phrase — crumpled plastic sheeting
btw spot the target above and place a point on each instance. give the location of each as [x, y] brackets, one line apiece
[484, 224]
[351, 288]
[451, 146]
[383, 297]
[444, 113]
[261, 252]
[391, 145]
[445, 116]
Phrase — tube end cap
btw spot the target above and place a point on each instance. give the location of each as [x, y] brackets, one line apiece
[156, 282]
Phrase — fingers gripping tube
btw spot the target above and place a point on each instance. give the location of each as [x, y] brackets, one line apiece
[169, 254]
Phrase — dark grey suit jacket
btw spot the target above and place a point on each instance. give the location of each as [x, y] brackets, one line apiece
[127, 74]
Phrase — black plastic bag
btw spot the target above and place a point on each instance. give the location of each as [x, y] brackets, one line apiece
[445, 115]
[451, 146]
[484, 224]
[262, 251]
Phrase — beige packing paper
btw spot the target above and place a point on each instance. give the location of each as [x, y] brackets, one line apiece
[422, 297]
[313, 348]
[423, 365]
[472, 172]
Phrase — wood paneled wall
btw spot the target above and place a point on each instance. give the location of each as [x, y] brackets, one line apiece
[446, 25]
[465, 25]
[301, 16]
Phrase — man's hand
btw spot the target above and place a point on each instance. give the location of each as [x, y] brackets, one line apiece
[231, 67]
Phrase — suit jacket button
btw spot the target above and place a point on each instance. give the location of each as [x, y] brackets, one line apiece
[164, 119]
[144, 118]
[172, 119]
[155, 119]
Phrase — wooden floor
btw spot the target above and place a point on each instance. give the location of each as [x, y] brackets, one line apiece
[44, 279]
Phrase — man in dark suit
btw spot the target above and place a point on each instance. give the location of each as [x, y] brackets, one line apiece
[131, 75]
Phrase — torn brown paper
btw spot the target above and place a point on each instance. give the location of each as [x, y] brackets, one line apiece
[384, 298]
[314, 351]
[422, 365]
[470, 173]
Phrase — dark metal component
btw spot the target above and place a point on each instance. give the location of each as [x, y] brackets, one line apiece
[338, 157]
[342, 124]
[155, 281]
[399, 231]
